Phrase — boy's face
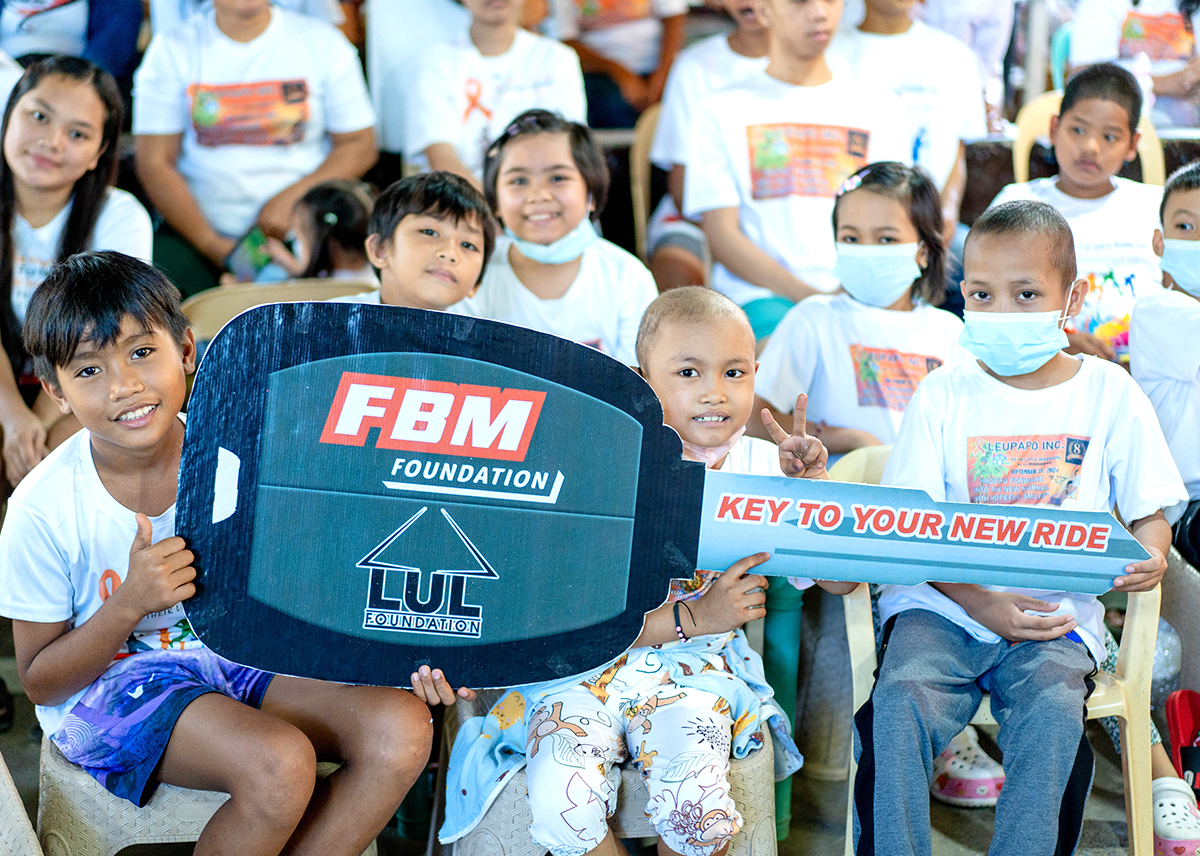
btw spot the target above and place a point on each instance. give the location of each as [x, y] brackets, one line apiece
[429, 263]
[1014, 273]
[743, 14]
[1181, 220]
[127, 393]
[1092, 141]
[800, 29]
[703, 375]
[494, 12]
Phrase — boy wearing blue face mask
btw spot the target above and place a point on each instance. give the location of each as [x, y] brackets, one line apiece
[1163, 357]
[1023, 424]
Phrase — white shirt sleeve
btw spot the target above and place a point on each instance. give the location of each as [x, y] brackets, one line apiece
[1143, 475]
[640, 292]
[573, 104]
[918, 457]
[788, 362]
[563, 20]
[160, 102]
[430, 104]
[124, 226]
[347, 104]
[669, 8]
[710, 181]
[1159, 327]
[35, 580]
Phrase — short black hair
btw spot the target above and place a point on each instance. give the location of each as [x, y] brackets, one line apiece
[915, 189]
[1186, 178]
[1106, 81]
[1027, 217]
[589, 158]
[439, 194]
[86, 297]
[689, 303]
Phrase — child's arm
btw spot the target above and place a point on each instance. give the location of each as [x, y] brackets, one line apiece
[633, 88]
[442, 156]
[671, 44]
[431, 687]
[734, 598]
[745, 259]
[1154, 533]
[800, 456]
[54, 661]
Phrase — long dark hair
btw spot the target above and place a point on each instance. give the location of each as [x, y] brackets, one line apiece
[339, 210]
[86, 199]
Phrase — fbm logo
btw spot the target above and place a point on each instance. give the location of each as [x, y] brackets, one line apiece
[433, 416]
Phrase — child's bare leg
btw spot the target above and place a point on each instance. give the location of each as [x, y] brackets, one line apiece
[381, 736]
[664, 850]
[610, 846]
[266, 766]
[1160, 763]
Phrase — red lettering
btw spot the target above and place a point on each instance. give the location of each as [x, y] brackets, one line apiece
[985, 529]
[754, 509]
[431, 416]
[1011, 529]
[777, 506]
[1062, 531]
[907, 521]
[1097, 538]
[931, 525]
[830, 516]
[862, 516]
[729, 507]
[884, 520]
[1076, 536]
[806, 510]
[1043, 530]
[961, 527]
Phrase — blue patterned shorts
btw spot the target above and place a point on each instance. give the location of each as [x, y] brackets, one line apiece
[119, 730]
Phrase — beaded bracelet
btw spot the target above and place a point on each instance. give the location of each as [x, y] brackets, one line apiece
[679, 624]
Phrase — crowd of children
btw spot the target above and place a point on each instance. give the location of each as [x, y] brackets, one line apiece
[826, 201]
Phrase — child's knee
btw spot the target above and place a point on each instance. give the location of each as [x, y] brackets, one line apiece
[393, 731]
[279, 774]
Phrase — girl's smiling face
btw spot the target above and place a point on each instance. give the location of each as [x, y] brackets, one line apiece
[540, 192]
[55, 134]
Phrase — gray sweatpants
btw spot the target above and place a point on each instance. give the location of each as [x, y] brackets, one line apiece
[930, 679]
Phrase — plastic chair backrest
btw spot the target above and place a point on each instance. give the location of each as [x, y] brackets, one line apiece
[639, 175]
[1033, 121]
[1060, 53]
[210, 310]
[864, 465]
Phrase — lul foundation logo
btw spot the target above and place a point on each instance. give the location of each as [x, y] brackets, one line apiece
[442, 423]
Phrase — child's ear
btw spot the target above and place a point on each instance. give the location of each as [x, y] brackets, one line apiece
[56, 396]
[922, 256]
[1079, 290]
[376, 249]
[187, 347]
[1157, 243]
[1053, 128]
[1133, 144]
[641, 373]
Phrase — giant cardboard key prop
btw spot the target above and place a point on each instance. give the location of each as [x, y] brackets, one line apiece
[369, 488]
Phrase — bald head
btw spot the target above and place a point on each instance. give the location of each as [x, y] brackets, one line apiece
[692, 304]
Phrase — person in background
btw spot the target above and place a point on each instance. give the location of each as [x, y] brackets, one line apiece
[104, 32]
[168, 14]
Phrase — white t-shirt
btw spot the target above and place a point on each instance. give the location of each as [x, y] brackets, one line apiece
[937, 78]
[64, 549]
[44, 27]
[254, 116]
[1117, 31]
[1088, 444]
[1113, 248]
[123, 225]
[754, 457]
[778, 153]
[602, 308]
[467, 99]
[625, 31]
[1164, 360]
[168, 14]
[10, 72]
[700, 69]
[859, 364]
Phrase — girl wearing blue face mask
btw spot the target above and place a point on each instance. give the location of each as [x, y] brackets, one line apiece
[860, 353]
[547, 180]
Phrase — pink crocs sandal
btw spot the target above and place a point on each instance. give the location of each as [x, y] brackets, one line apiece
[964, 775]
[1176, 819]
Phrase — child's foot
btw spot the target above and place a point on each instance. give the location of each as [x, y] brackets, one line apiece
[1176, 819]
[964, 775]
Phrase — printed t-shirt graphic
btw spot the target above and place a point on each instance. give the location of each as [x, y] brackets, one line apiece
[1158, 36]
[1041, 469]
[795, 159]
[33, 7]
[599, 14]
[885, 377]
[260, 113]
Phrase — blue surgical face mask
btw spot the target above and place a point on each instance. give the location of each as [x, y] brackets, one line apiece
[877, 274]
[1181, 259]
[566, 249]
[1014, 343]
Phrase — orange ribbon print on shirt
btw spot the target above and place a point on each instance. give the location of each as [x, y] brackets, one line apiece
[474, 90]
[109, 582]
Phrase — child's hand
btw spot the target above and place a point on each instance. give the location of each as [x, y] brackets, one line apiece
[24, 443]
[160, 575]
[800, 456]
[634, 89]
[734, 598]
[431, 687]
[1085, 343]
[1143, 575]
[1004, 613]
